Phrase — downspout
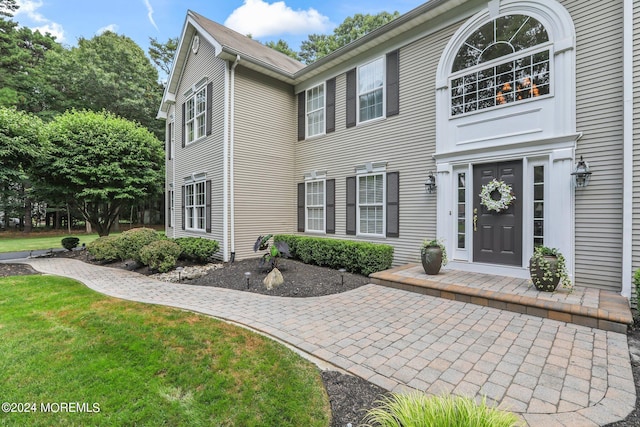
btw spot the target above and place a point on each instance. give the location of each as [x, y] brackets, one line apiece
[172, 141]
[225, 172]
[231, 157]
[627, 207]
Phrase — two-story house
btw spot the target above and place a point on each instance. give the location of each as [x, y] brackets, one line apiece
[392, 137]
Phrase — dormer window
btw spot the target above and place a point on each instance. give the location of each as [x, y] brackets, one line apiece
[506, 60]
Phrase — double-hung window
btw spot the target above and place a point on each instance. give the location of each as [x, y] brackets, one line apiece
[371, 88]
[315, 110]
[371, 204]
[315, 205]
[195, 115]
[195, 206]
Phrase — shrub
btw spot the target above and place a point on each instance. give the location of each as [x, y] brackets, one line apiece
[104, 249]
[160, 255]
[278, 250]
[70, 242]
[356, 257]
[417, 409]
[131, 241]
[197, 249]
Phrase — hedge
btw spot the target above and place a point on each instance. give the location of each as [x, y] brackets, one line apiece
[197, 249]
[131, 241]
[356, 257]
[104, 249]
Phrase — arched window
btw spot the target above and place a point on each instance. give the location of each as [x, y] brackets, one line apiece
[504, 61]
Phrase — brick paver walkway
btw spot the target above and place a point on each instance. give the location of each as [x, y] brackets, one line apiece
[550, 372]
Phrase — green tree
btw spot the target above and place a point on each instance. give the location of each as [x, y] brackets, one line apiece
[8, 7]
[108, 72]
[98, 162]
[283, 47]
[162, 53]
[21, 144]
[352, 28]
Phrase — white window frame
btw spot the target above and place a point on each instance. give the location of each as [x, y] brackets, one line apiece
[360, 93]
[319, 109]
[195, 209]
[322, 206]
[195, 111]
[382, 205]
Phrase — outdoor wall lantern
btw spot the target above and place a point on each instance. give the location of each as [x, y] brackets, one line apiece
[582, 174]
[430, 183]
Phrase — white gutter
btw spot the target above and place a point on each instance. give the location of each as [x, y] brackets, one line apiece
[225, 172]
[231, 158]
[627, 190]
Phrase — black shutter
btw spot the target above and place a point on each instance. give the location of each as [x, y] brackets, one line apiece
[393, 204]
[393, 83]
[331, 105]
[301, 116]
[184, 211]
[301, 206]
[351, 205]
[209, 119]
[184, 122]
[207, 210]
[331, 206]
[351, 98]
[168, 208]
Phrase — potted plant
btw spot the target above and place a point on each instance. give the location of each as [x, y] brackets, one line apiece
[548, 267]
[433, 255]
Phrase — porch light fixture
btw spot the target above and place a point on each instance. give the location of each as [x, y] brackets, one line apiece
[582, 174]
[430, 183]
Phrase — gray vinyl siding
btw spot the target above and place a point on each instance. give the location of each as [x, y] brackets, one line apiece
[265, 133]
[204, 155]
[636, 135]
[406, 142]
[598, 208]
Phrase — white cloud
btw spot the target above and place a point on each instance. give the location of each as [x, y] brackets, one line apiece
[150, 14]
[260, 19]
[52, 28]
[29, 8]
[111, 27]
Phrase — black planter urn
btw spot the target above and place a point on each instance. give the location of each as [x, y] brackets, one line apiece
[431, 259]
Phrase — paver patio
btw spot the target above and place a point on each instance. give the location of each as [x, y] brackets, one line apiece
[550, 372]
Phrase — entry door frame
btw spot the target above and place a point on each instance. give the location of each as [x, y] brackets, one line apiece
[558, 232]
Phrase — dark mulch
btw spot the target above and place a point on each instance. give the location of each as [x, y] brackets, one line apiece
[350, 396]
[300, 280]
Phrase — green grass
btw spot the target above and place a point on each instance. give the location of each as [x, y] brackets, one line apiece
[419, 410]
[17, 242]
[143, 364]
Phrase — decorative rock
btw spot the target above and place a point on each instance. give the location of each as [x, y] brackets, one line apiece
[273, 279]
[187, 273]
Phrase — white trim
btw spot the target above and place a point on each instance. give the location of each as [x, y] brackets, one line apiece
[323, 109]
[232, 166]
[225, 165]
[383, 205]
[382, 58]
[194, 121]
[627, 189]
[323, 180]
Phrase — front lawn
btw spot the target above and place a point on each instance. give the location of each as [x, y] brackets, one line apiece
[17, 241]
[68, 350]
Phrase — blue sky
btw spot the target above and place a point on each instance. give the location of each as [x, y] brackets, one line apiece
[291, 20]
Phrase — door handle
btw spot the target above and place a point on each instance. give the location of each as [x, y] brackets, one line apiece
[475, 219]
